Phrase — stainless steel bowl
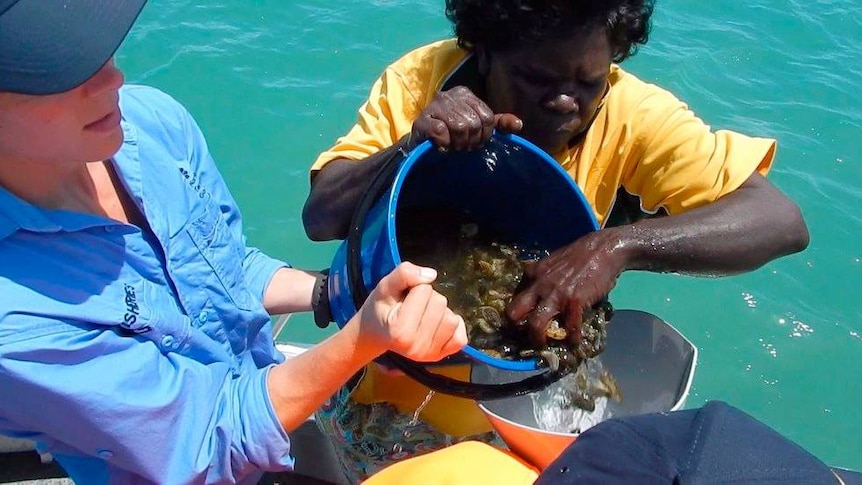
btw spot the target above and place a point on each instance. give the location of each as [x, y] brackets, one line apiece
[652, 362]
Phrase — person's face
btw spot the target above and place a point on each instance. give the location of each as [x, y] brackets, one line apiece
[79, 125]
[555, 87]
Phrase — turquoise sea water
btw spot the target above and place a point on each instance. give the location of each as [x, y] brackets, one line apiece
[272, 83]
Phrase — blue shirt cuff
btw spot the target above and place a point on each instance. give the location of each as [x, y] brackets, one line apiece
[259, 270]
[266, 443]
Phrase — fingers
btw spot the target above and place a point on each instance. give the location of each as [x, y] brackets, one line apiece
[522, 304]
[466, 126]
[442, 337]
[508, 123]
[530, 269]
[393, 286]
[439, 333]
[404, 328]
[481, 120]
[429, 322]
[433, 129]
[457, 339]
[538, 311]
[458, 120]
[574, 320]
[450, 335]
[392, 316]
[539, 321]
[423, 328]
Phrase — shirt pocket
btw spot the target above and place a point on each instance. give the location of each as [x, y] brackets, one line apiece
[222, 252]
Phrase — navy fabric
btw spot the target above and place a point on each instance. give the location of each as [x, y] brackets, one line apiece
[48, 46]
[849, 477]
[714, 444]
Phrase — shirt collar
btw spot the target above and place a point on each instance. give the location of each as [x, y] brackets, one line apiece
[128, 164]
[466, 73]
[17, 214]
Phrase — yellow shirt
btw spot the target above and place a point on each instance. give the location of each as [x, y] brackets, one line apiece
[643, 140]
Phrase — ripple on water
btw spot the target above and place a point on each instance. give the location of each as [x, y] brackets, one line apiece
[275, 82]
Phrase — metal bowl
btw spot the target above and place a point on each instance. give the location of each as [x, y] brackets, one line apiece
[652, 362]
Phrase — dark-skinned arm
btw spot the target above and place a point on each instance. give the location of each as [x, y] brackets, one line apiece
[740, 232]
[336, 190]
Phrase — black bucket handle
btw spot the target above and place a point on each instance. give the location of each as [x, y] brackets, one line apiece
[415, 370]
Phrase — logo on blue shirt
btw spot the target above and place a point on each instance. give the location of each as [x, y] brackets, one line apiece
[133, 311]
[194, 183]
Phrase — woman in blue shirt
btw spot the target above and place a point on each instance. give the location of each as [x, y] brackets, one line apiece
[135, 338]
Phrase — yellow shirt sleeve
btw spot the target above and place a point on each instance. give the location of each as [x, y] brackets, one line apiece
[397, 98]
[678, 163]
[383, 119]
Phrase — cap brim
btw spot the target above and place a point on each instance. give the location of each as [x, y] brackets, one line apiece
[47, 47]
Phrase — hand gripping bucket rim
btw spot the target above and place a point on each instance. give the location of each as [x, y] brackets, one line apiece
[355, 270]
[413, 158]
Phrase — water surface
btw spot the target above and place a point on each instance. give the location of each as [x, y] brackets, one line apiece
[273, 83]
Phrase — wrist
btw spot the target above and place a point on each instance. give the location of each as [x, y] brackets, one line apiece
[366, 346]
[320, 300]
[623, 247]
[411, 140]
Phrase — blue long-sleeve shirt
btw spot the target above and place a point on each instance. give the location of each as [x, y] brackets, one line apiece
[139, 357]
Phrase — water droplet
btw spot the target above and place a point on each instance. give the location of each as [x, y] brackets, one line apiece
[415, 420]
[770, 348]
[565, 469]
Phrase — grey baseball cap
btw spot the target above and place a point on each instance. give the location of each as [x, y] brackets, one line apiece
[51, 46]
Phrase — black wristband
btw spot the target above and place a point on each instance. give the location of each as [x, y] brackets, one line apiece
[320, 300]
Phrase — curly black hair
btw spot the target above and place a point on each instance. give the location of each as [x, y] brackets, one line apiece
[503, 24]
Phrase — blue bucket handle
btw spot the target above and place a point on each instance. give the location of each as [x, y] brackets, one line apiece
[415, 370]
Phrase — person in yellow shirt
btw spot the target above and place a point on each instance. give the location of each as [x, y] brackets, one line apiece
[549, 71]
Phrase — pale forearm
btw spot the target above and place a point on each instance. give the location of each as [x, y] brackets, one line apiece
[289, 291]
[403, 314]
[301, 384]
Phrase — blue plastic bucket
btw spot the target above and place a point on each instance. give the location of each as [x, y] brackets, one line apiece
[509, 185]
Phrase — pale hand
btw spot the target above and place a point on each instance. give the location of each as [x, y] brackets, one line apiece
[405, 315]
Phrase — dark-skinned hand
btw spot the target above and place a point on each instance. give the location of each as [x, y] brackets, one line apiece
[567, 282]
[458, 120]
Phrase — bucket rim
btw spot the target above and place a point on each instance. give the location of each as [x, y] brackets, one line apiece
[521, 365]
